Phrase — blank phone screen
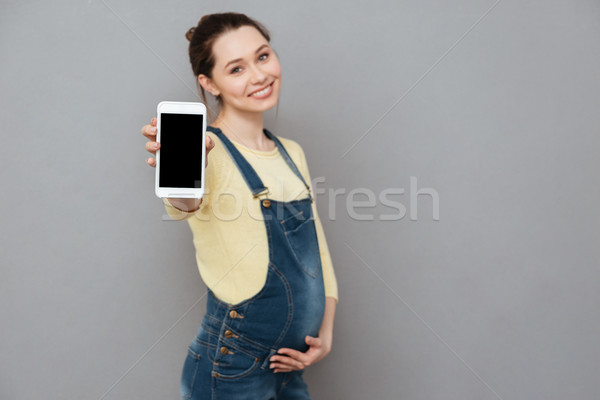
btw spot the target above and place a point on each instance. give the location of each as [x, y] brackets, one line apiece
[180, 150]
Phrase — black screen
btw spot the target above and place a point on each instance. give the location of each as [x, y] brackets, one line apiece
[180, 151]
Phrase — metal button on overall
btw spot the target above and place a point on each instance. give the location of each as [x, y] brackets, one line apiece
[266, 203]
[233, 314]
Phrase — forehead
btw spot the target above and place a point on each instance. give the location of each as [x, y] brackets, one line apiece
[239, 43]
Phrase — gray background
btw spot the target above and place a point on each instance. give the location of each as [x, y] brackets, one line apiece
[494, 106]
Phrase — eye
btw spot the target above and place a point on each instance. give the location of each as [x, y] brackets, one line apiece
[263, 57]
[235, 70]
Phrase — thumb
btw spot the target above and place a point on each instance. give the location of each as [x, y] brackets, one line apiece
[311, 340]
[210, 144]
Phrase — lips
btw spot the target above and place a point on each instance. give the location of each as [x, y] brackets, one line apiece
[262, 92]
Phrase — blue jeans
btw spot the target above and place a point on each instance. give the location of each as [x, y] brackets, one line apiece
[247, 380]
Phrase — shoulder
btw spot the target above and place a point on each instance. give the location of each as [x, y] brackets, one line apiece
[297, 154]
[293, 148]
[219, 163]
[218, 153]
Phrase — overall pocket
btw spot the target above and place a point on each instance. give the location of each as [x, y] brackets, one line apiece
[235, 364]
[301, 235]
[192, 368]
[188, 374]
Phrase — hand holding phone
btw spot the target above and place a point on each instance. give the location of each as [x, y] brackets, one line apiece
[180, 158]
[152, 146]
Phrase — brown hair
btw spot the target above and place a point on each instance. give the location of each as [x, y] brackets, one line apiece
[203, 36]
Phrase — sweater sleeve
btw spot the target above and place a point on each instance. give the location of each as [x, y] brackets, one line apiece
[177, 214]
[329, 279]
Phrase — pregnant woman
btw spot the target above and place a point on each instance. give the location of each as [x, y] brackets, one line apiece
[260, 246]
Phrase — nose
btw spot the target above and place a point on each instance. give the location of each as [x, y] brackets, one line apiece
[258, 75]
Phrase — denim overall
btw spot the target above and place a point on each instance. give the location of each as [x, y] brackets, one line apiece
[229, 357]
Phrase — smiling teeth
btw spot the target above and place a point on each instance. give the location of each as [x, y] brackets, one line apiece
[264, 91]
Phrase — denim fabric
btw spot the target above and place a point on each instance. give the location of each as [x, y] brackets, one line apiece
[228, 359]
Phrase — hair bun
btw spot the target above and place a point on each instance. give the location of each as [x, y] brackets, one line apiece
[190, 33]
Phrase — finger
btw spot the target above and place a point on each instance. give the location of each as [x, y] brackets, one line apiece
[288, 361]
[314, 342]
[151, 162]
[152, 147]
[277, 370]
[153, 121]
[149, 131]
[296, 366]
[210, 144]
[298, 355]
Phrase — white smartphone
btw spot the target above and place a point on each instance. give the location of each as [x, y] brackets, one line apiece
[181, 131]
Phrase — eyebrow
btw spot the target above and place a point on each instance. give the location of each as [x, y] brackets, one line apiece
[239, 59]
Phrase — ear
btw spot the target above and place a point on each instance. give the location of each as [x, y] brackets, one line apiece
[208, 85]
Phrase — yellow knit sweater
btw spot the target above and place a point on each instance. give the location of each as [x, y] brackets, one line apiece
[229, 233]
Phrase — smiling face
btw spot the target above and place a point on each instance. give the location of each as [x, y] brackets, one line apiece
[247, 74]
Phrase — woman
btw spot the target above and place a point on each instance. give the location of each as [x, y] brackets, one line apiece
[260, 247]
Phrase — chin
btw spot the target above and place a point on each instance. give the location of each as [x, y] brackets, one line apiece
[264, 105]
[269, 106]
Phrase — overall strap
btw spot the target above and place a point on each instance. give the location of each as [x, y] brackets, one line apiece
[287, 158]
[250, 176]
[254, 183]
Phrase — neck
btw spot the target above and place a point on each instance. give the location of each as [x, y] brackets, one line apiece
[244, 127]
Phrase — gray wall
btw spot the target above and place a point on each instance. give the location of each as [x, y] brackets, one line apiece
[491, 106]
